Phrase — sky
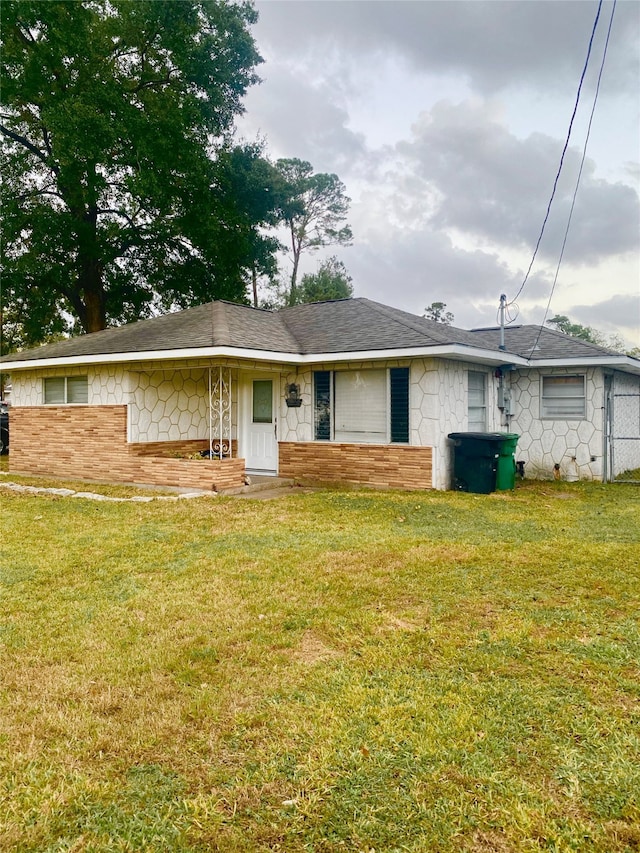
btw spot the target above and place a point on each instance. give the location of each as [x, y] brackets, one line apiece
[446, 121]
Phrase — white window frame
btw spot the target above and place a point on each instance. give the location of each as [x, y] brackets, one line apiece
[552, 404]
[68, 389]
[475, 425]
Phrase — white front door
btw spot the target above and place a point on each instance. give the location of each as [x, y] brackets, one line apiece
[260, 424]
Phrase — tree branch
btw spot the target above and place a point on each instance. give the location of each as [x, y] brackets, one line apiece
[22, 140]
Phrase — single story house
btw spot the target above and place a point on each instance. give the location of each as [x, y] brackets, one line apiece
[348, 390]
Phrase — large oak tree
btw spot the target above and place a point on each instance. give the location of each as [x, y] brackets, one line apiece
[119, 175]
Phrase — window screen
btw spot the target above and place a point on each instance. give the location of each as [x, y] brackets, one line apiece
[477, 405]
[66, 389]
[563, 397]
[77, 389]
[54, 390]
[360, 406]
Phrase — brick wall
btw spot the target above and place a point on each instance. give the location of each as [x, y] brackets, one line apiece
[90, 442]
[394, 465]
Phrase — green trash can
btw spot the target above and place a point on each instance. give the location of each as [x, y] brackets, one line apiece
[506, 472]
[483, 461]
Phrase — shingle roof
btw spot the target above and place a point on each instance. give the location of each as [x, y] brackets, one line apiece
[352, 325]
[215, 324]
[340, 326]
[533, 343]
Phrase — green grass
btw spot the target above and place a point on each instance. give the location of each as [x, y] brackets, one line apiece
[333, 671]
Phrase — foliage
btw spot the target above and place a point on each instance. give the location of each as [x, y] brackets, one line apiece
[314, 213]
[113, 196]
[575, 330]
[419, 671]
[436, 312]
[331, 281]
[589, 334]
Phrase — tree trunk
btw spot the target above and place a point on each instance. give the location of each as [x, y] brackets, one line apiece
[254, 281]
[95, 316]
[293, 290]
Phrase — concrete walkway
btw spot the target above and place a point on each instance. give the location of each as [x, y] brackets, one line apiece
[260, 488]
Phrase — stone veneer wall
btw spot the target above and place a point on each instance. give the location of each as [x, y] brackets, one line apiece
[394, 465]
[437, 406]
[576, 445]
[164, 404]
[90, 442]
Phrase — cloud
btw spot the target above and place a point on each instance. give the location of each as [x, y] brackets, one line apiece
[301, 121]
[496, 187]
[413, 268]
[446, 122]
[493, 44]
[619, 313]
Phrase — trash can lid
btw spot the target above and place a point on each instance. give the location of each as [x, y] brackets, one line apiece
[483, 436]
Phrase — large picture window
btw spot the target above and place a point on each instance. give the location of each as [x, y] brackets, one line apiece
[362, 406]
[66, 389]
[563, 397]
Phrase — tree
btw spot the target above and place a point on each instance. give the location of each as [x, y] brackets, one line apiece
[575, 330]
[436, 312]
[593, 336]
[331, 281]
[113, 196]
[313, 213]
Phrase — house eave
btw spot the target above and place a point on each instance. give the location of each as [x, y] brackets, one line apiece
[616, 362]
[455, 352]
[451, 351]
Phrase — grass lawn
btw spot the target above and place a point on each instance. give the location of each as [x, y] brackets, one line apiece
[335, 671]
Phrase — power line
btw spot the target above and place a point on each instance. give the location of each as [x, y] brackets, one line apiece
[575, 192]
[564, 151]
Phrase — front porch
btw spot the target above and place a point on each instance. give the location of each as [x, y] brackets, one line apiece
[90, 443]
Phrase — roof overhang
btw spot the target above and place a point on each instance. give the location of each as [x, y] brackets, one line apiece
[455, 352]
[615, 362]
[451, 351]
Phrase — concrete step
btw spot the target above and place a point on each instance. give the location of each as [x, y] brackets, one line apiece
[258, 483]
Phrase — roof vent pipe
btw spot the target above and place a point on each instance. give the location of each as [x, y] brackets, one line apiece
[503, 300]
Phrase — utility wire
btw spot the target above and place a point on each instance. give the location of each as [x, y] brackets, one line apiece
[564, 151]
[575, 192]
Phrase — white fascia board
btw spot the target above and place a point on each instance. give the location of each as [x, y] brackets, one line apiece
[152, 355]
[457, 352]
[452, 351]
[619, 362]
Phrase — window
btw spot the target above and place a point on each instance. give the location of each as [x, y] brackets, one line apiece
[476, 401]
[66, 389]
[563, 397]
[263, 401]
[362, 406]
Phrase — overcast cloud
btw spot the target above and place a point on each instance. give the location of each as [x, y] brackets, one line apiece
[446, 121]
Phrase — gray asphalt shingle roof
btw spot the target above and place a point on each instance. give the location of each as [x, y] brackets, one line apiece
[535, 343]
[348, 325]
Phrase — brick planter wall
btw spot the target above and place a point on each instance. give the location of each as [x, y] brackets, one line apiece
[90, 442]
[393, 465]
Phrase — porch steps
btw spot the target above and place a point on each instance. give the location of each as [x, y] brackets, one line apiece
[261, 487]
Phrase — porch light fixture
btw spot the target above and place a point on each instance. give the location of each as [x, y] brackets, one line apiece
[293, 398]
